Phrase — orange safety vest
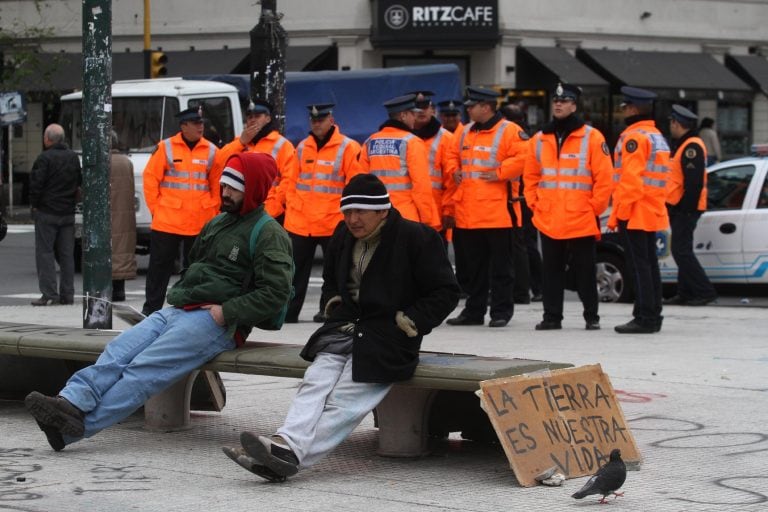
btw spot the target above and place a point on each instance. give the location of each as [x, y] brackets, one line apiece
[675, 183]
[501, 152]
[567, 191]
[283, 152]
[181, 185]
[641, 164]
[441, 169]
[399, 159]
[313, 188]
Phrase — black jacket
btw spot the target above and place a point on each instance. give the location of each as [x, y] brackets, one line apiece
[55, 179]
[409, 272]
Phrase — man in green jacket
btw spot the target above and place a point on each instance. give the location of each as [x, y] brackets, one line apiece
[227, 290]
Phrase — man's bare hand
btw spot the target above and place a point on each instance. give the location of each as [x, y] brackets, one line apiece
[217, 313]
[249, 132]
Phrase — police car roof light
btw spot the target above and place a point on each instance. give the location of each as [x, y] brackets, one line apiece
[760, 149]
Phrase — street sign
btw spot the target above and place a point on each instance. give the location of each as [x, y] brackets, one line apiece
[12, 108]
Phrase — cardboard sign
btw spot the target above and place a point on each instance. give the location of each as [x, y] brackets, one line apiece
[566, 419]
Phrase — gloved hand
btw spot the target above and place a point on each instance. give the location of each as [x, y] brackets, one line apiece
[406, 324]
[332, 304]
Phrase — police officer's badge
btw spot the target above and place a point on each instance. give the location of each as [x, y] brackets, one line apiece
[559, 91]
[631, 146]
[690, 153]
[314, 111]
[523, 135]
[605, 149]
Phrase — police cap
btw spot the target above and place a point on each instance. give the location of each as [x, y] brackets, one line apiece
[450, 106]
[474, 95]
[401, 104]
[566, 92]
[636, 96]
[259, 106]
[320, 110]
[683, 116]
[423, 98]
[191, 114]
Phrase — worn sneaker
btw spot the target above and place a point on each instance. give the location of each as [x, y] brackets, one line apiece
[44, 301]
[56, 412]
[272, 452]
[55, 439]
[238, 455]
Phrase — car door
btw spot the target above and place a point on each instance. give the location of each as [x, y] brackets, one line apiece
[718, 238]
[755, 239]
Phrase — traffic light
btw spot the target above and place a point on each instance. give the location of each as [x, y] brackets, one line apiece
[157, 63]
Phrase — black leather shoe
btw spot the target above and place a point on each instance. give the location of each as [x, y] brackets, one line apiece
[548, 325]
[592, 325]
[319, 317]
[522, 300]
[498, 322]
[44, 301]
[69, 301]
[675, 301]
[537, 297]
[633, 327]
[463, 320]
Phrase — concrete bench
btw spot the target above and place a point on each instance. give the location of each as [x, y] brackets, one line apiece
[403, 418]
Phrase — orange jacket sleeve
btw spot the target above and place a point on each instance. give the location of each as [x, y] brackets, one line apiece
[532, 174]
[418, 171]
[630, 186]
[601, 164]
[153, 175]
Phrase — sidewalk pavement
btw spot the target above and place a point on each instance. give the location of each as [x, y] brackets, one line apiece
[694, 396]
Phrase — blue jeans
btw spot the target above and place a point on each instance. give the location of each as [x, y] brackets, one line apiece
[142, 362]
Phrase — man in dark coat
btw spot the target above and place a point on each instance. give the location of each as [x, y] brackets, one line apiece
[390, 283]
[53, 189]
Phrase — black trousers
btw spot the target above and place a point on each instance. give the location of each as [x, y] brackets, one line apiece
[303, 257]
[640, 246]
[692, 281]
[521, 291]
[487, 264]
[163, 250]
[580, 255]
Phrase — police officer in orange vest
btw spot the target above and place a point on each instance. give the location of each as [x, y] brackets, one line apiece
[398, 157]
[325, 162]
[438, 142]
[450, 115]
[181, 188]
[641, 164]
[686, 200]
[491, 152]
[568, 181]
[260, 135]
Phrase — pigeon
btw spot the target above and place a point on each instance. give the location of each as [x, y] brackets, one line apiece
[607, 480]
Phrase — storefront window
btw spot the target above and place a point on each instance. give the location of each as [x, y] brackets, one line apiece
[733, 127]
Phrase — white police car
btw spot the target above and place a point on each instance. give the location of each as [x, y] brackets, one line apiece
[731, 238]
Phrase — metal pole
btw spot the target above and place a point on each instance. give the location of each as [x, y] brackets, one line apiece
[268, 45]
[97, 125]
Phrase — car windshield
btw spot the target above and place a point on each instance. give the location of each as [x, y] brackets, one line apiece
[140, 123]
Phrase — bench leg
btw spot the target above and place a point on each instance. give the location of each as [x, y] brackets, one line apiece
[403, 419]
[169, 410]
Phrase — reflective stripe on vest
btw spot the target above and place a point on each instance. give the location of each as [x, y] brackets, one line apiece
[492, 161]
[172, 172]
[334, 175]
[184, 186]
[580, 171]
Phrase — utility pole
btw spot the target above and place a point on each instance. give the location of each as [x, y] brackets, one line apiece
[147, 40]
[97, 127]
[268, 44]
